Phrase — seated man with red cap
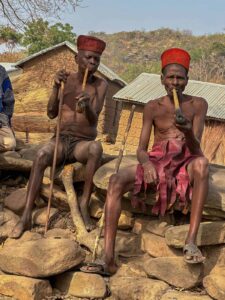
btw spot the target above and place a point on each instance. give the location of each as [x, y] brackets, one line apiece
[175, 166]
[78, 128]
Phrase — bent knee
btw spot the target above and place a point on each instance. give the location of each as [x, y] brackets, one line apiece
[96, 149]
[201, 166]
[8, 144]
[116, 184]
[42, 157]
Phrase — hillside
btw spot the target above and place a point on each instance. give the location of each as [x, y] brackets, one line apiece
[131, 53]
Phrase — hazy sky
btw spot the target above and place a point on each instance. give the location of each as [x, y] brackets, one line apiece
[199, 16]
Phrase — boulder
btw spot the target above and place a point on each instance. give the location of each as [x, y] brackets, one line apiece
[175, 236]
[176, 295]
[174, 271]
[215, 256]
[135, 288]
[82, 285]
[214, 283]
[158, 227]
[39, 215]
[8, 220]
[16, 201]
[40, 258]
[156, 246]
[140, 225]
[23, 288]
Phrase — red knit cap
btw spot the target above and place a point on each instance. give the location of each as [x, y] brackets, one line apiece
[176, 56]
[90, 43]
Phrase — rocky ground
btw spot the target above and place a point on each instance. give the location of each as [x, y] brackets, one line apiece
[148, 250]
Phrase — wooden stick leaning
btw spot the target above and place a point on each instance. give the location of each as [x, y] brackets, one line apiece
[117, 166]
[55, 154]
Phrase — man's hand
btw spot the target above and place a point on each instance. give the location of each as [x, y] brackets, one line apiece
[185, 126]
[83, 100]
[60, 76]
[150, 175]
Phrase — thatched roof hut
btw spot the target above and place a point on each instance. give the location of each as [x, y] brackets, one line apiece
[33, 87]
[148, 87]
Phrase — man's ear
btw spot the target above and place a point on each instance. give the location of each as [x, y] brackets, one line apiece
[162, 78]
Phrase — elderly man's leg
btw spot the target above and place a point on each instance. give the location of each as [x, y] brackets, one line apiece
[198, 172]
[91, 154]
[7, 139]
[43, 159]
[118, 185]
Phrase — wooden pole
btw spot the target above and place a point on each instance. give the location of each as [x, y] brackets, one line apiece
[117, 166]
[55, 155]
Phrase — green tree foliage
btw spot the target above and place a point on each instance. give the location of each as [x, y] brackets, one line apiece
[39, 34]
[8, 34]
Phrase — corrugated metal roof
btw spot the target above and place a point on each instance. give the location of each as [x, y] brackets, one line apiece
[148, 87]
[10, 67]
[102, 68]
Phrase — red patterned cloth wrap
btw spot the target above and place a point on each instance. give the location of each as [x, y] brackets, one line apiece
[170, 158]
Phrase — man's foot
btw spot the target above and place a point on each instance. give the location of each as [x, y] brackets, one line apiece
[89, 224]
[20, 227]
[192, 254]
[99, 268]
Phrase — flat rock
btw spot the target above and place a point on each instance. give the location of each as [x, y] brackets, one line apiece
[40, 258]
[156, 246]
[130, 270]
[215, 283]
[23, 288]
[8, 220]
[140, 225]
[158, 227]
[39, 216]
[175, 236]
[16, 201]
[215, 256]
[60, 233]
[174, 271]
[81, 284]
[136, 288]
[126, 221]
[176, 295]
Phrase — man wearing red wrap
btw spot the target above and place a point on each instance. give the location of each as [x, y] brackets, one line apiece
[78, 128]
[175, 166]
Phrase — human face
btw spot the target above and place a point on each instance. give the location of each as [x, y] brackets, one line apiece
[88, 59]
[174, 77]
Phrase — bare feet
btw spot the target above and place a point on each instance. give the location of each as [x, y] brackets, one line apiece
[89, 224]
[20, 227]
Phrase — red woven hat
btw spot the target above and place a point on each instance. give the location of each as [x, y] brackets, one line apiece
[90, 43]
[176, 56]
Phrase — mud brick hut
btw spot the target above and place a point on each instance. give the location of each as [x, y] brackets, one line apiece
[148, 87]
[33, 87]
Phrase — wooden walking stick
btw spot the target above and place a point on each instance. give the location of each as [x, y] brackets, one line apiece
[55, 154]
[118, 162]
[57, 144]
[179, 116]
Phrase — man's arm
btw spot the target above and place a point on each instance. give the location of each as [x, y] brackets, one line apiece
[53, 102]
[147, 121]
[92, 110]
[193, 134]
[8, 100]
[150, 174]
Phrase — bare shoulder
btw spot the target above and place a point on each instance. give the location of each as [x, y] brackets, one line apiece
[153, 105]
[199, 103]
[100, 82]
